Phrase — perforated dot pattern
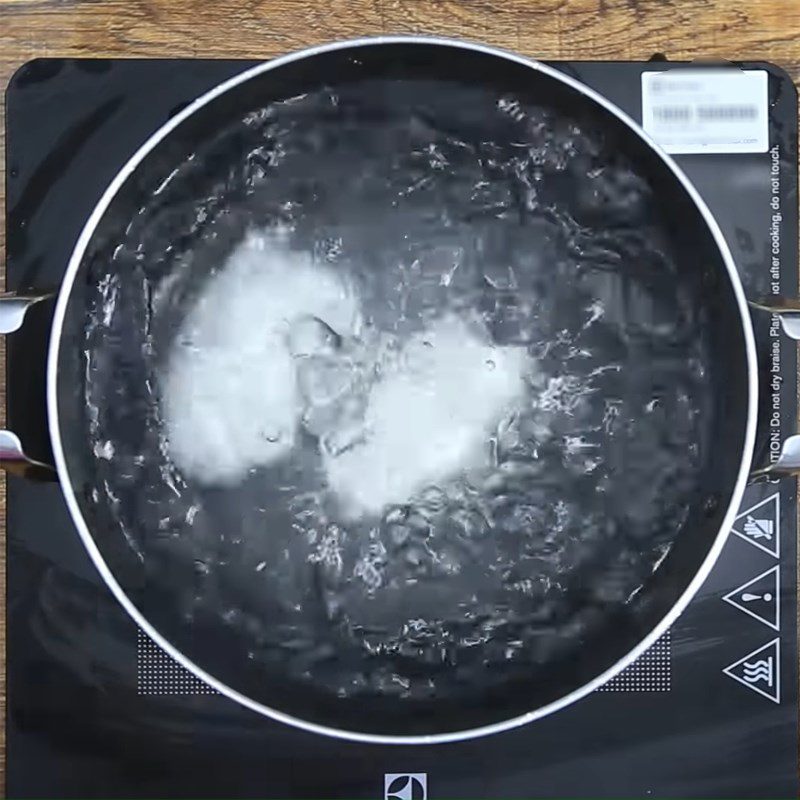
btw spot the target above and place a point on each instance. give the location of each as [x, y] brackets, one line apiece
[651, 672]
[159, 673]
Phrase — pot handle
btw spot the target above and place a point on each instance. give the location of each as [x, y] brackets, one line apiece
[788, 462]
[13, 459]
[787, 309]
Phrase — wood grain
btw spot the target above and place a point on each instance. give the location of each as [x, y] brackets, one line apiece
[576, 29]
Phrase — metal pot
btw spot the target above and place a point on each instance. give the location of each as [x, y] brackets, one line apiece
[148, 559]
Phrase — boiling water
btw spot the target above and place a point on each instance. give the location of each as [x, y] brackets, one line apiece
[231, 392]
[418, 405]
[276, 347]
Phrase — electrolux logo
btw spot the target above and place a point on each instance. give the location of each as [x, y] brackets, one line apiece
[405, 786]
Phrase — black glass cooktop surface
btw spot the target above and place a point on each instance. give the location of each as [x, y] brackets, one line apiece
[97, 710]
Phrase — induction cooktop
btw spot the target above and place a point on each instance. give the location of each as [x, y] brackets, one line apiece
[96, 709]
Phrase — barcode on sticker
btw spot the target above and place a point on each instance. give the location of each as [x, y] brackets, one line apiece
[707, 110]
[704, 113]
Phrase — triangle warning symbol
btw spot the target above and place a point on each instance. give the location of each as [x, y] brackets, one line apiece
[760, 598]
[760, 525]
[760, 670]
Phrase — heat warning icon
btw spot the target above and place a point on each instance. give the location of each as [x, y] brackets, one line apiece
[760, 671]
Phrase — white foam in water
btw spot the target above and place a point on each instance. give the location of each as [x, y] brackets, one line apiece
[429, 418]
[230, 395]
[250, 366]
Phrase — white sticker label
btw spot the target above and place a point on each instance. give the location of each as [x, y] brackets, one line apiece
[707, 110]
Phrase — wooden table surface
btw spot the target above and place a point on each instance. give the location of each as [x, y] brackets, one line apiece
[577, 29]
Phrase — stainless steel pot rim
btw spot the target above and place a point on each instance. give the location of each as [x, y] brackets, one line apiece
[118, 591]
